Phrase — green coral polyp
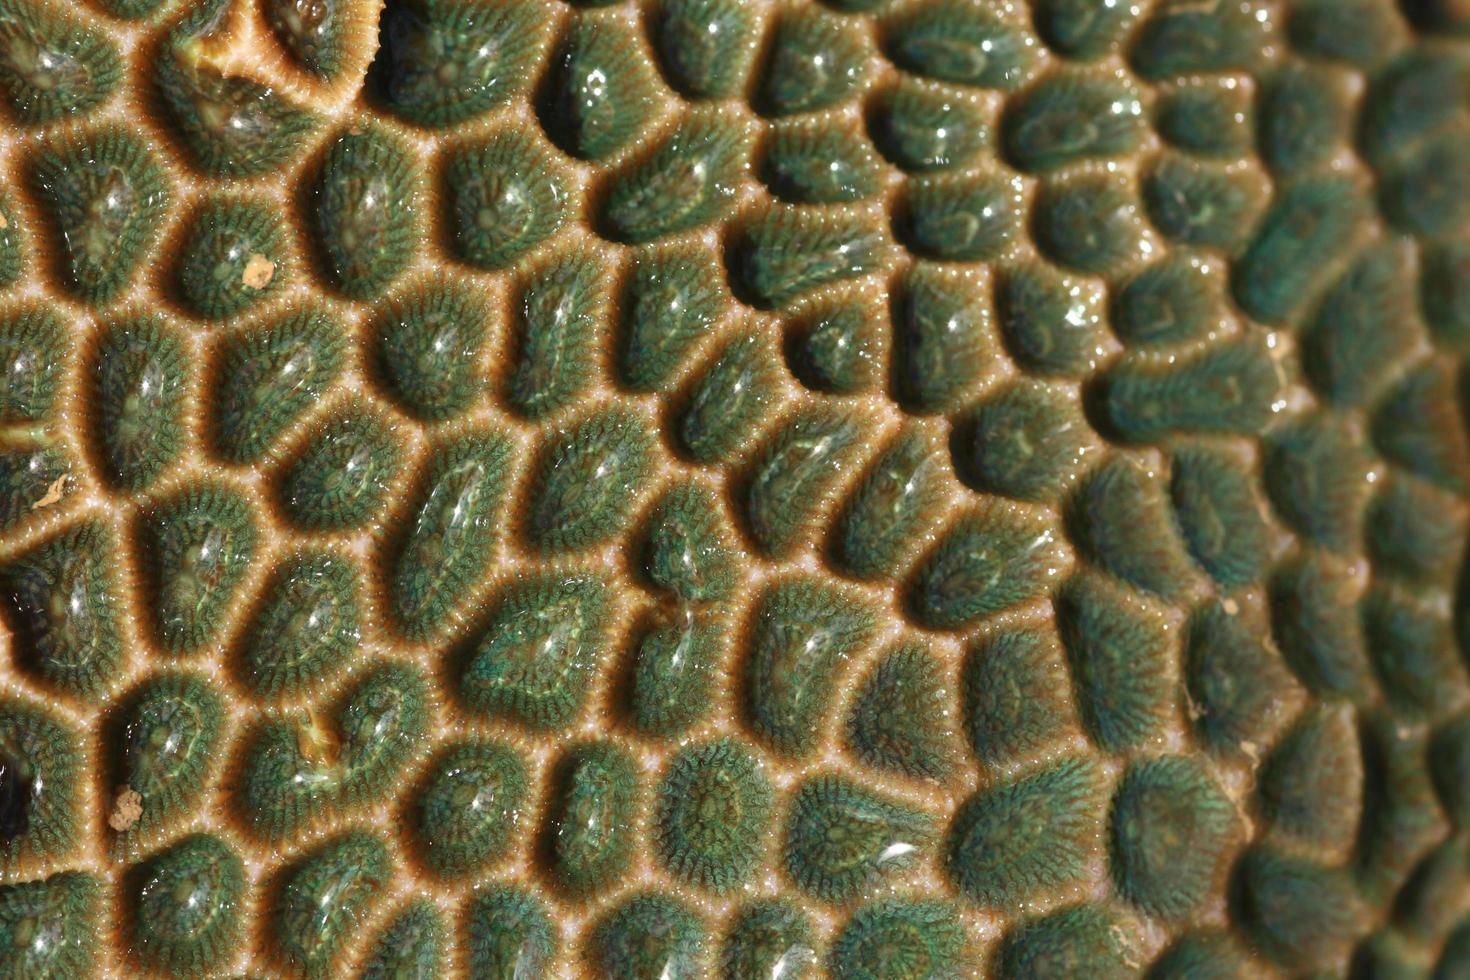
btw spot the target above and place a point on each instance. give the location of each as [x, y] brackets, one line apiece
[170, 731]
[34, 350]
[1311, 784]
[1413, 532]
[1307, 227]
[989, 561]
[793, 473]
[187, 916]
[1234, 675]
[1073, 941]
[1028, 442]
[509, 934]
[411, 945]
[1362, 328]
[340, 481]
[1173, 302]
[1027, 837]
[1015, 695]
[13, 256]
[961, 219]
[41, 766]
[924, 127]
[1069, 117]
[50, 927]
[442, 62]
[943, 339]
[770, 937]
[1119, 653]
[1090, 223]
[297, 770]
[730, 400]
[1171, 823]
[1220, 514]
[1119, 518]
[51, 66]
[200, 543]
[445, 548]
[802, 632]
[268, 375]
[561, 312]
[899, 719]
[1195, 202]
[1300, 912]
[892, 507]
[229, 125]
[323, 894]
[788, 252]
[595, 798]
[598, 89]
[141, 379]
[687, 180]
[842, 839]
[469, 806]
[62, 593]
[671, 299]
[838, 349]
[105, 195]
[1211, 118]
[897, 937]
[650, 935]
[585, 481]
[430, 348]
[1315, 477]
[306, 627]
[502, 198]
[534, 659]
[687, 551]
[1314, 619]
[704, 45]
[1051, 324]
[1083, 29]
[312, 32]
[1416, 427]
[1302, 119]
[232, 259]
[363, 212]
[962, 41]
[808, 163]
[1182, 38]
[712, 810]
[815, 61]
[673, 675]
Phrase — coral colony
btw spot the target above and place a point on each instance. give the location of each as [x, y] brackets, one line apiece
[734, 489]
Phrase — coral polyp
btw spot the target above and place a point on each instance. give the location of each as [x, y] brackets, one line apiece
[734, 489]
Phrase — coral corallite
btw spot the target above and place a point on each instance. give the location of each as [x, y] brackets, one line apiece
[734, 489]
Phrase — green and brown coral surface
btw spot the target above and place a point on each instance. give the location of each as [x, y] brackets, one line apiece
[740, 489]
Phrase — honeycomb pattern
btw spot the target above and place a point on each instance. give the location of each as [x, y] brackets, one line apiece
[728, 488]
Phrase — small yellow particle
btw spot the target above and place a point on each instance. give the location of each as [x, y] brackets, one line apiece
[127, 807]
[258, 271]
[3, 223]
[53, 493]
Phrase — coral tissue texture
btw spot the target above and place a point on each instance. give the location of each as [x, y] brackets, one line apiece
[732, 489]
